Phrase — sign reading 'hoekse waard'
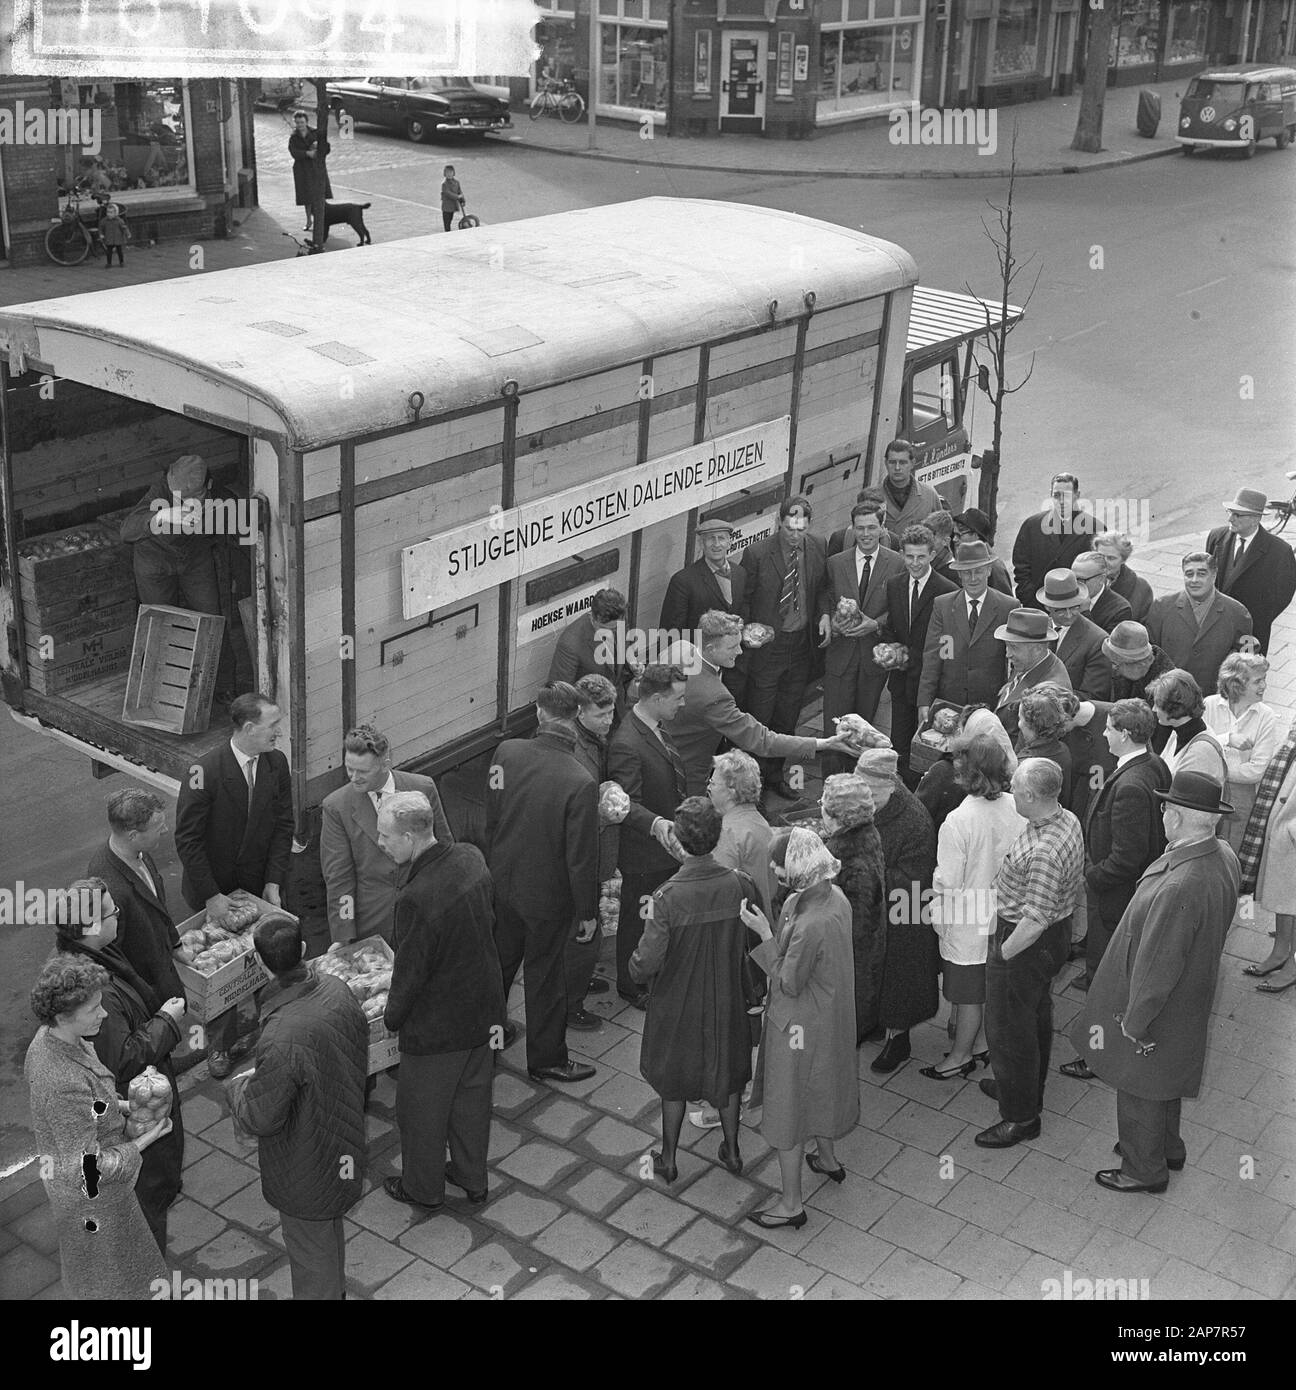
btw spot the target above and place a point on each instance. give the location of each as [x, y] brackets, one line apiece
[506, 545]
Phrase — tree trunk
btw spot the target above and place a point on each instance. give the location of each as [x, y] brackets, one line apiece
[318, 214]
[1088, 134]
[1269, 47]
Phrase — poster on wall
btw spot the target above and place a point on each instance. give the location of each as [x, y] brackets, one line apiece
[702, 63]
[801, 67]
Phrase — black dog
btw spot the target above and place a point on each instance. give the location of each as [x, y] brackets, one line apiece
[352, 214]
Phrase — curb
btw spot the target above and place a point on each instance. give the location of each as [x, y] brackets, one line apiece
[808, 172]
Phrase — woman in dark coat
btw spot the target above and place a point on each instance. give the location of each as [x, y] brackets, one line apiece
[909, 993]
[851, 837]
[305, 147]
[696, 1038]
[140, 1031]
[1042, 725]
[940, 790]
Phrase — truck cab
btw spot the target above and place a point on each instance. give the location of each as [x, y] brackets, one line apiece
[1236, 107]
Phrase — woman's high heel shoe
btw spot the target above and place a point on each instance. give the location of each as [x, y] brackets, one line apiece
[937, 1075]
[660, 1170]
[815, 1164]
[982, 1057]
[733, 1162]
[773, 1223]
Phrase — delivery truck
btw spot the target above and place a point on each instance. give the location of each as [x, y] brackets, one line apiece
[439, 449]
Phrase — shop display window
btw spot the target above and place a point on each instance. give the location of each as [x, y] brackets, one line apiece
[1134, 38]
[866, 66]
[632, 67]
[146, 132]
[1186, 36]
[1016, 48]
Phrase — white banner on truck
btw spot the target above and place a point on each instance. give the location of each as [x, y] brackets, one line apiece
[506, 545]
[549, 619]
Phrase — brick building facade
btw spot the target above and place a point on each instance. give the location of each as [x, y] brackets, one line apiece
[176, 156]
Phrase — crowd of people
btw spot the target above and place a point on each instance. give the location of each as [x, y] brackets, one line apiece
[1112, 784]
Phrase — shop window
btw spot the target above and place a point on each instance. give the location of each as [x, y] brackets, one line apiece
[866, 66]
[556, 38]
[632, 67]
[1134, 39]
[1186, 35]
[1016, 38]
[146, 138]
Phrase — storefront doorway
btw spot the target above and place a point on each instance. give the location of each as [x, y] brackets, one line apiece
[742, 81]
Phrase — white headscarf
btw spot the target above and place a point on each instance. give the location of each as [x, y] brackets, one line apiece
[986, 724]
[808, 861]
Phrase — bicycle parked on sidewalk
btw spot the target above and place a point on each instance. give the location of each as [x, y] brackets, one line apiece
[74, 234]
[560, 98]
[1278, 514]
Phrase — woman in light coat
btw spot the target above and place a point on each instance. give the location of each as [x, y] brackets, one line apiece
[1246, 728]
[105, 1246]
[811, 1088]
[969, 852]
[1271, 839]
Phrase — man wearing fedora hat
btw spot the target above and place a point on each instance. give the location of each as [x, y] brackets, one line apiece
[1053, 537]
[1199, 626]
[1080, 643]
[1136, 663]
[1029, 636]
[963, 662]
[712, 583]
[974, 525]
[1145, 1021]
[1253, 566]
[1106, 607]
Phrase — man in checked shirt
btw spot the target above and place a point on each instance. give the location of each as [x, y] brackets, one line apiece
[1036, 888]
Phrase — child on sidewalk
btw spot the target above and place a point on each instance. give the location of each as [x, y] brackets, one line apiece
[113, 231]
[452, 198]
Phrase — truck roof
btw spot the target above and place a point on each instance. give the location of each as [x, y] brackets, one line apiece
[452, 316]
[1247, 72]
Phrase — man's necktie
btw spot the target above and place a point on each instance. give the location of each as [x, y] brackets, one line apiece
[791, 586]
[974, 613]
[251, 779]
[864, 578]
[913, 600]
[681, 780]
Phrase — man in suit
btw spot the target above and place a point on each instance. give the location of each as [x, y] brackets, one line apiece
[588, 645]
[853, 681]
[709, 714]
[844, 538]
[786, 571]
[445, 1003]
[909, 598]
[711, 583]
[1200, 626]
[1145, 1024]
[1123, 832]
[643, 758]
[234, 829]
[146, 934]
[962, 661]
[1106, 607]
[1029, 637]
[1136, 663]
[1251, 565]
[1052, 538]
[908, 502]
[1092, 762]
[1080, 642]
[542, 829]
[361, 881]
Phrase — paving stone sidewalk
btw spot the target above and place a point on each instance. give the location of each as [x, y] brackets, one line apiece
[574, 1212]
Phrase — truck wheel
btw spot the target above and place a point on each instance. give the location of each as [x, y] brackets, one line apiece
[1249, 149]
[1285, 138]
[417, 129]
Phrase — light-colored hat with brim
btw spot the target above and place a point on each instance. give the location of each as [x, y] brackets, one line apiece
[972, 555]
[1027, 625]
[1248, 499]
[1128, 643]
[1062, 590]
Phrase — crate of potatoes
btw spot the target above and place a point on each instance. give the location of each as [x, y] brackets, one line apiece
[365, 967]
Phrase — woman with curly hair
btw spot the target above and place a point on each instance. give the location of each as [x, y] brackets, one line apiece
[810, 1084]
[139, 1031]
[851, 837]
[88, 1165]
[1042, 725]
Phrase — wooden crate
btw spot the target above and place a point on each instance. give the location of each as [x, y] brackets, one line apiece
[78, 596]
[45, 561]
[923, 756]
[211, 995]
[71, 661]
[74, 624]
[173, 669]
[384, 1047]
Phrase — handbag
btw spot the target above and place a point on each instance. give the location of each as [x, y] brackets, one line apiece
[754, 982]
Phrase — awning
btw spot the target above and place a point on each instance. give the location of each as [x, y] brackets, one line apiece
[947, 317]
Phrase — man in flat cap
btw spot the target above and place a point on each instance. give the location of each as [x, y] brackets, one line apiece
[1253, 566]
[1144, 1024]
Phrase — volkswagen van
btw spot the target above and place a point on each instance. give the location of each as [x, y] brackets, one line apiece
[1234, 108]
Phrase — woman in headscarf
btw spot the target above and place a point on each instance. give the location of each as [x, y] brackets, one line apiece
[909, 993]
[971, 847]
[852, 838]
[810, 1084]
[939, 789]
[696, 1038]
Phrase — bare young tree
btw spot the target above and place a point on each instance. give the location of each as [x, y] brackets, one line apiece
[1088, 132]
[992, 377]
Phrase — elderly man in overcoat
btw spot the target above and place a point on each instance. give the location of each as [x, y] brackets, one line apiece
[1144, 1025]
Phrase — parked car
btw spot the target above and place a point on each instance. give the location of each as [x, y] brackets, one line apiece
[1233, 108]
[419, 106]
[285, 93]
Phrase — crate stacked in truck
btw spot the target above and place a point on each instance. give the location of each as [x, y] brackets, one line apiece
[78, 603]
